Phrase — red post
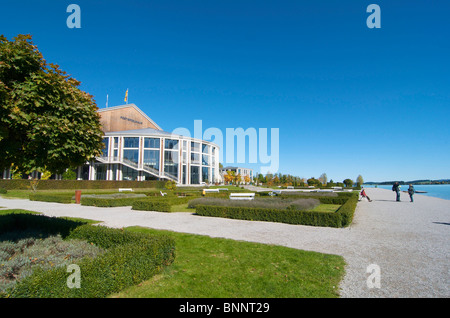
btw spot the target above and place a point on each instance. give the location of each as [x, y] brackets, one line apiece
[78, 197]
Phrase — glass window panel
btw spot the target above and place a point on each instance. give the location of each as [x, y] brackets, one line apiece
[151, 158]
[131, 155]
[205, 160]
[171, 144]
[205, 148]
[195, 175]
[100, 172]
[129, 173]
[205, 174]
[131, 142]
[195, 146]
[171, 163]
[105, 147]
[151, 143]
[195, 158]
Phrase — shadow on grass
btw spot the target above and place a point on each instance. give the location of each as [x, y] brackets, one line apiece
[17, 226]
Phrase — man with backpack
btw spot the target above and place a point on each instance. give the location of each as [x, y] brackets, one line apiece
[396, 188]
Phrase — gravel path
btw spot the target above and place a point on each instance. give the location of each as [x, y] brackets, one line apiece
[409, 242]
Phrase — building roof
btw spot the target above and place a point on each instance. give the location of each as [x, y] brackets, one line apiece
[107, 109]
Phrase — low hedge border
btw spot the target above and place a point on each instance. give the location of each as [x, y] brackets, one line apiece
[58, 198]
[161, 204]
[341, 218]
[130, 259]
[23, 184]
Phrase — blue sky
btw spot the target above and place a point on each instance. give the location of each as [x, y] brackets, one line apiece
[347, 99]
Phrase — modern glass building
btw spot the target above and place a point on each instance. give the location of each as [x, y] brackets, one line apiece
[149, 153]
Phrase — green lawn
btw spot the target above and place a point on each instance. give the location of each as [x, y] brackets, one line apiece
[208, 267]
[326, 208]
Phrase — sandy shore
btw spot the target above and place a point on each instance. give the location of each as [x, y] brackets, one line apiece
[408, 242]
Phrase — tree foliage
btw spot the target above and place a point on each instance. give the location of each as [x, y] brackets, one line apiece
[46, 121]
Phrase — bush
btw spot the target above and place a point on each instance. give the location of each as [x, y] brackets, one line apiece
[130, 258]
[265, 203]
[58, 198]
[152, 205]
[159, 204]
[110, 200]
[3, 191]
[341, 218]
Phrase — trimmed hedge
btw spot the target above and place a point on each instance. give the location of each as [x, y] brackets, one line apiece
[58, 198]
[130, 259]
[161, 204]
[10, 184]
[341, 218]
[103, 202]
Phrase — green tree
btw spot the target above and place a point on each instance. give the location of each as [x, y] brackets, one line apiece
[46, 121]
[360, 180]
[313, 182]
[323, 178]
[348, 182]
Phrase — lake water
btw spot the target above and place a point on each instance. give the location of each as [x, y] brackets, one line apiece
[433, 190]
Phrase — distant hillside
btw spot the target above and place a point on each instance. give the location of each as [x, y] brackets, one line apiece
[440, 181]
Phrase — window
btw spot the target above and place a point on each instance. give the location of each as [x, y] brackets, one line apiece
[131, 142]
[205, 174]
[131, 155]
[100, 172]
[151, 143]
[151, 158]
[106, 147]
[129, 174]
[205, 160]
[195, 175]
[195, 158]
[205, 148]
[171, 144]
[171, 163]
[195, 146]
[128, 153]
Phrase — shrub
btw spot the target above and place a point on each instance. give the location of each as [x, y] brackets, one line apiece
[130, 258]
[3, 191]
[152, 205]
[159, 204]
[341, 218]
[58, 198]
[268, 203]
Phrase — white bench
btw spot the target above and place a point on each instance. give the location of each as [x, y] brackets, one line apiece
[125, 189]
[242, 196]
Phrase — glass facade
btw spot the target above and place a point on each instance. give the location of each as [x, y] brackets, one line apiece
[143, 158]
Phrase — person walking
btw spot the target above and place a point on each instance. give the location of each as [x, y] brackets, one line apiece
[411, 192]
[364, 195]
[396, 188]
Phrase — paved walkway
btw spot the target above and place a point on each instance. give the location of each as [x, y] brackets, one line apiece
[409, 242]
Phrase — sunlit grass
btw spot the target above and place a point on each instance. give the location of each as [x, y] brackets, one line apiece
[222, 268]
